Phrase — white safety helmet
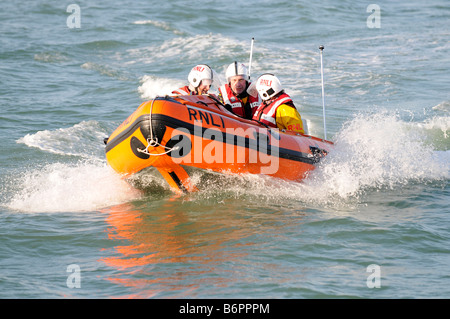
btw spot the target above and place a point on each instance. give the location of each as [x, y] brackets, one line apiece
[235, 69]
[268, 86]
[199, 73]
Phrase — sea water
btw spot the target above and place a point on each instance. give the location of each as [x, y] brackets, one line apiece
[372, 221]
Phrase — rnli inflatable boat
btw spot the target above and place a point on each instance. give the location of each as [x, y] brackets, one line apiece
[173, 133]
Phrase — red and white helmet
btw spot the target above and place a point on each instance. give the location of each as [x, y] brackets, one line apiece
[235, 69]
[268, 85]
[199, 73]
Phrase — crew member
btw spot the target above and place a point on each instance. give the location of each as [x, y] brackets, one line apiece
[200, 79]
[234, 94]
[277, 109]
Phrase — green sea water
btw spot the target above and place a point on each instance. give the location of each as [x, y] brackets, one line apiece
[372, 221]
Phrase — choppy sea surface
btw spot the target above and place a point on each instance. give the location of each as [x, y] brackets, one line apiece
[372, 221]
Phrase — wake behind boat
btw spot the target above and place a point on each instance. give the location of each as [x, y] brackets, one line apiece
[174, 132]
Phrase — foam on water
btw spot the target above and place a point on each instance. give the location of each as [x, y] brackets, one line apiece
[161, 25]
[444, 106]
[372, 153]
[105, 70]
[85, 185]
[62, 187]
[153, 86]
[51, 57]
[377, 151]
[189, 50]
[83, 139]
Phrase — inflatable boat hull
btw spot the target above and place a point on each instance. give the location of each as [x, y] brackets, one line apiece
[197, 131]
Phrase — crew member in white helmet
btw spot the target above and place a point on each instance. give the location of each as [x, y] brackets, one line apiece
[277, 109]
[200, 79]
[234, 94]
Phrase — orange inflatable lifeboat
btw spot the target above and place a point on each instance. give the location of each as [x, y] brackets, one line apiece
[174, 132]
